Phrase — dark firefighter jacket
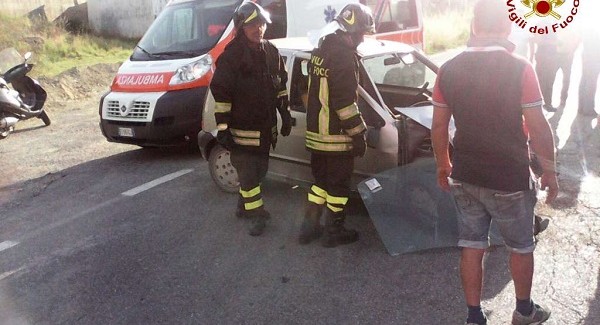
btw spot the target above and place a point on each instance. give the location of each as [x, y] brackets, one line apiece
[332, 114]
[248, 86]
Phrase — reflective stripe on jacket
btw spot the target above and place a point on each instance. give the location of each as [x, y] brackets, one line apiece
[247, 85]
[333, 117]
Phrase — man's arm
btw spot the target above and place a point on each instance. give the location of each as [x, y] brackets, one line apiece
[221, 89]
[542, 143]
[440, 141]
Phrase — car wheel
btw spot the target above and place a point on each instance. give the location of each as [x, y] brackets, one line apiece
[222, 171]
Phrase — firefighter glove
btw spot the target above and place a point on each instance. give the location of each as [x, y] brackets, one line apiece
[225, 139]
[286, 118]
[359, 145]
[286, 123]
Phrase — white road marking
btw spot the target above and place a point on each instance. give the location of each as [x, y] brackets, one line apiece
[7, 244]
[9, 273]
[156, 182]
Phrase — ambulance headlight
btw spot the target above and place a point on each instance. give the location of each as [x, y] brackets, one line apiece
[193, 71]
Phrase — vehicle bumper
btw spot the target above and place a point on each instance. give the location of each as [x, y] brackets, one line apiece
[152, 119]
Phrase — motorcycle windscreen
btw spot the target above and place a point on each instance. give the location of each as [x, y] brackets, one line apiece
[410, 212]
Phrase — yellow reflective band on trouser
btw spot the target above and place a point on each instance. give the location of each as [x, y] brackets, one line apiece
[356, 130]
[317, 195]
[347, 112]
[253, 205]
[337, 200]
[248, 194]
[282, 93]
[336, 204]
[315, 199]
[222, 107]
[252, 198]
[319, 191]
[334, 208]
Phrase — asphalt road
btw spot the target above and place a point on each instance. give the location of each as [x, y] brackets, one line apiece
[100, 233]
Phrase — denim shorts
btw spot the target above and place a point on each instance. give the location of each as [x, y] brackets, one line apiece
[512, 212]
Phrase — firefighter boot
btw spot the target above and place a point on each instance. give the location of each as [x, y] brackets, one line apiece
[240, 211]
[259, 219]
[335, 233]
[311, 228]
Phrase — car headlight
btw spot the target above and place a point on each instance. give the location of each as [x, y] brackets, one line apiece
[192, 71]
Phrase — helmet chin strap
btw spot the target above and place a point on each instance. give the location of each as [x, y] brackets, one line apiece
[353, 40]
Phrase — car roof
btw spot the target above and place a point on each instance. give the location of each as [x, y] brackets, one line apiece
[370, 47]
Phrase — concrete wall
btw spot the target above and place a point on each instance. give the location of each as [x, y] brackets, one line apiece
[123, 18]
[53, 8]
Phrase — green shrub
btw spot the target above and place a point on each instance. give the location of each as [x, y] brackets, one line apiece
[443, 31]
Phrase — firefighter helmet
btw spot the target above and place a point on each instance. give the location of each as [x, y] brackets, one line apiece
[248, 12]
[356, 18]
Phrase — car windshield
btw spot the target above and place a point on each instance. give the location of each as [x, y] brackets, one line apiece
[185, 30]
[399, 69]
[9, 58]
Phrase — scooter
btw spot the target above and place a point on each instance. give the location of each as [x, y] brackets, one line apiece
[26, 98]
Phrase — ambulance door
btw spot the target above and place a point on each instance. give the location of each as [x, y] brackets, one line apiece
[304, 16]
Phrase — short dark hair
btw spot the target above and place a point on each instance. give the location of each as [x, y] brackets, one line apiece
[490, 16]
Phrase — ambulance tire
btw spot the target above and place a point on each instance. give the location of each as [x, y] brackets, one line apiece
[222, 171]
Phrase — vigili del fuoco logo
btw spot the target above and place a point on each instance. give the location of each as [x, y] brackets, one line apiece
[542, 16]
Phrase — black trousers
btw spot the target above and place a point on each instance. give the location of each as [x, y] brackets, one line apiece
[333, 174]
[252, 168]
[589, 81]
[546, 69]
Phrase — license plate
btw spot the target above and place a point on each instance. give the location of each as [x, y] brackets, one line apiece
[126, 132]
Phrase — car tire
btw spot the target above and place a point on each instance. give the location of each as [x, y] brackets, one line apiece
[222, 171]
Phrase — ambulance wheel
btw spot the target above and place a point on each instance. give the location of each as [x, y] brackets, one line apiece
[222, 171]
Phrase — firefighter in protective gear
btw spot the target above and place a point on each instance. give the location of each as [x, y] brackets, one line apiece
[249, 87]
[335, 129]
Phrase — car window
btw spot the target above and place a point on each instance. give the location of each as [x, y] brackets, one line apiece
[399, 70]
[299, 85]
[278, 26]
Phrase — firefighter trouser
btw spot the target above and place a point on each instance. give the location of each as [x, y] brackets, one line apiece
[251, 168]
[332, 175]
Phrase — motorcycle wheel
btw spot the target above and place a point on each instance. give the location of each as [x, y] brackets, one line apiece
[4, 133]
[45, 118]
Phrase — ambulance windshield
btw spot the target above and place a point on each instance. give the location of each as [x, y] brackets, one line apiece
[185, 30]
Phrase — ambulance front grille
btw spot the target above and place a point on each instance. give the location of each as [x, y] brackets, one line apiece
[138, 111]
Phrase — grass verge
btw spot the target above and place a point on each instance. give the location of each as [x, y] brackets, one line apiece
[55, 50]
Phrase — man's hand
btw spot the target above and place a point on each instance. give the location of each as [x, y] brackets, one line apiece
[286, 123]
[549, 183]
[286, 117]
[225, 139]
[359, 145]
[443, 172]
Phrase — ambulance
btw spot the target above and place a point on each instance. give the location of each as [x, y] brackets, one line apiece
[157, 97]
